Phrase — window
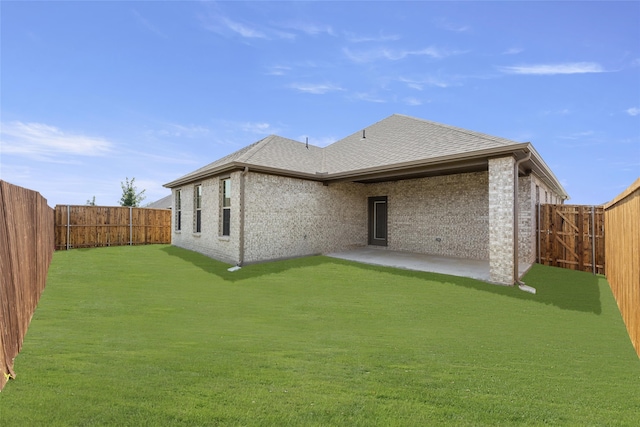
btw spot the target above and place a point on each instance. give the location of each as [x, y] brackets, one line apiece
[225, 187]
[197, 207]
[178, 210]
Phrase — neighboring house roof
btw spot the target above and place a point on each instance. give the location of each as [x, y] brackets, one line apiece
[164, 203]
[396, 147]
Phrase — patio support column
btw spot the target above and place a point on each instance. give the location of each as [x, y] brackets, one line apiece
[501, 182]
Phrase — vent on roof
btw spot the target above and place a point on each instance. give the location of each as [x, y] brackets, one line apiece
[364, 136]
[307, 143]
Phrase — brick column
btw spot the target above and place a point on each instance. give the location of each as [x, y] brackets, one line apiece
[501, 182]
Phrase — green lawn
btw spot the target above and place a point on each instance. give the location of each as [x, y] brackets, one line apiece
[156, 335]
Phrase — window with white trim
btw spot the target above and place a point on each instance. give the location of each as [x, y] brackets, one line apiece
[178, 210]
[225, 207]
[197, 208]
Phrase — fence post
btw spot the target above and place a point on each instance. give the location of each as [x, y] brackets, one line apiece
[593, 238]
[130, 225]
[68, 233]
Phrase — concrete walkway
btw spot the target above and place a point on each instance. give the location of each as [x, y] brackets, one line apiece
[476, 269]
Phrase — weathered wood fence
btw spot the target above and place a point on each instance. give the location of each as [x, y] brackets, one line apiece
[622, 221]
[571, 236]
[94, 226]
[26, 250]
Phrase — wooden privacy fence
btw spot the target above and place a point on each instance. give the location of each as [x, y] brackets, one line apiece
[26, 250]
[94, 226]
[622, 220]
[571, 236]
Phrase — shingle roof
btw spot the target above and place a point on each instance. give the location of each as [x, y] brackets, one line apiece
[164, 203]
[399, 139]
[394, 141]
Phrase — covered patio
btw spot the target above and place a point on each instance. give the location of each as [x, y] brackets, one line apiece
[473, 268]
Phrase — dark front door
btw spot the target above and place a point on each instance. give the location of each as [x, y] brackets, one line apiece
[378, 221]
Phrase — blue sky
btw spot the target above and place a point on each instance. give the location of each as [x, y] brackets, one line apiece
[95, 92]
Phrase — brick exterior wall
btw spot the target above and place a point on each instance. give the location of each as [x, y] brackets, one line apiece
[443, 215]
[526, 220]
[288, 217]
[465, 215]
[209, 241]
[501, 220]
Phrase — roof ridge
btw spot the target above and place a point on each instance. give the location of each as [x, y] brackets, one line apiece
[257, 146]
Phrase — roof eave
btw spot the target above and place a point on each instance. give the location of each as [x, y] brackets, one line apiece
[233, 166]
[228, 167]
[455, 163]
[545, 173]
[443, 163]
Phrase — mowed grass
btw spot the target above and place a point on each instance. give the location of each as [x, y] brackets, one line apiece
[156, 335]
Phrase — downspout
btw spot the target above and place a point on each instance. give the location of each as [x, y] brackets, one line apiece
[241, 231]
[516, 230]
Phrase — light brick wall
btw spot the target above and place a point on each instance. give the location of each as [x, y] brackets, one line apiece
[443, 215]
[501, 219]
[526, 220]
[209, 241]
[288, 217]
[465, 215]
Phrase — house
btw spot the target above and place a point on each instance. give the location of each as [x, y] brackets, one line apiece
[164, 203]
[403, 183]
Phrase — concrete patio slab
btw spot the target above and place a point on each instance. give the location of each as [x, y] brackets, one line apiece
[475, 269]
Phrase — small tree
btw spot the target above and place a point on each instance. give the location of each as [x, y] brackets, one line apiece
[130, 196]
[91, 202]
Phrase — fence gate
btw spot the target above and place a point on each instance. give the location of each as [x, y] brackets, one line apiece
[571, 236]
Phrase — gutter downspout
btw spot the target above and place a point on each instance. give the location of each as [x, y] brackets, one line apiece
[516, 230]
[241, 231]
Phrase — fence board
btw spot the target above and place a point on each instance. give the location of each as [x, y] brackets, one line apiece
[571, 236]
[26, 249]
[79, 226]
[622, 219]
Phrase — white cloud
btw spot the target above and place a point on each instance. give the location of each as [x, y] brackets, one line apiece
[449, 26]
[354, 38]
[419, 84]
[315, 88]
[551, 69]
[412, 101]
[43, 142]
[368, 97]
[513, 51]
[180, 131]
[310, 28]
[633, 111]
[243, 30]
[384, 53]
[562, 112]
[278, 70]
[583, 139]
[259, 127]
[215, 21]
